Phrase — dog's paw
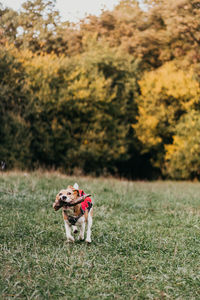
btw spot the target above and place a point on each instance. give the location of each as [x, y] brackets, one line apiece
[81, 238]
[88, 241]
[70, 239]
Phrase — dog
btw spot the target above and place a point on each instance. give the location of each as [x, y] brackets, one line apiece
[77, 210]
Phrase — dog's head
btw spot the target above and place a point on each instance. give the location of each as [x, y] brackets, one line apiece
[66, 196]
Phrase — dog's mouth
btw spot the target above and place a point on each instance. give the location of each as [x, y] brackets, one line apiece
[64, 199]
[64, 202]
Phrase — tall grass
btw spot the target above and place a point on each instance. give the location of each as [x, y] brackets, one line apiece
[145, 240]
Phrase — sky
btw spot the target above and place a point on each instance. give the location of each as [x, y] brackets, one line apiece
[71, 10]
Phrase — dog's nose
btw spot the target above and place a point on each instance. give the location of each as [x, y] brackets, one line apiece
[64, 197]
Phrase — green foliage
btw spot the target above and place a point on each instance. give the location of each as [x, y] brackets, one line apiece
[70, 96]
[14, 146]
[81, 109]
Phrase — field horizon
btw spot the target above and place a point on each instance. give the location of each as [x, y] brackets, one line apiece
[145, 239]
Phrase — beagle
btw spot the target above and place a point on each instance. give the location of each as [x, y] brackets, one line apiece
[77, 209]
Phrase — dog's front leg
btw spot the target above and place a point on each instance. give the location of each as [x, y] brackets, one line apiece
[68, 232]
[89, 225]
[82, 229]
[74, 229]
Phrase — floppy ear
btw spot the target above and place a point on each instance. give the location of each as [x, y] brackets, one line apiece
[57, 204]
[76, 192]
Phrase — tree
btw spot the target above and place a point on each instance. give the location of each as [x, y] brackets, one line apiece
[80, 109]
[14, 131]
[8, 25]
[182, 159]
[39, 28]
[170, 31]
[166, 95]
[164, 31]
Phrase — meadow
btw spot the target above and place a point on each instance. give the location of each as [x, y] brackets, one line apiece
[145, 240]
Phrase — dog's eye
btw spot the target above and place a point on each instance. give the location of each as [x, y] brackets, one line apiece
[60, 194]
[69, 193]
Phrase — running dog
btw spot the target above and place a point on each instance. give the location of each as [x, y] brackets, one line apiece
[77, 210]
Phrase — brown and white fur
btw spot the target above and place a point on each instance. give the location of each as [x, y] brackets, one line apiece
[69, 195]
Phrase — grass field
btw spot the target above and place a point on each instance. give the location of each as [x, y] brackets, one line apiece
[145, 240]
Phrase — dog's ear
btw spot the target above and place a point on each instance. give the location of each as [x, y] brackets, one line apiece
[76, 192]
[76, 186]
[57, 204]
[76, 189]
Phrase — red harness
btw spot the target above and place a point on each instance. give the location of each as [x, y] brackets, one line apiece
[87, 203]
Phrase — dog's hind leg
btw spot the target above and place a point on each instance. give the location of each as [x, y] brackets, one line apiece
[89, 225]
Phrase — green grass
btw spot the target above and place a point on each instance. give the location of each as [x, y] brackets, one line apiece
[145, 240]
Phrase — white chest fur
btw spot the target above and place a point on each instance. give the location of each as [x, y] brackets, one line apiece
[69, 211]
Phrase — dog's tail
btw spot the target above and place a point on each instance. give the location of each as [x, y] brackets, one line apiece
[76, 186]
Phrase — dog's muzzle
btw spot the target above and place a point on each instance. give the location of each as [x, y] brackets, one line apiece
[63, 198]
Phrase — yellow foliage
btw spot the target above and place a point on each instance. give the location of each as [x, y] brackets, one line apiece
[178, 143]
[182, 158]
[166, 94]
[169, 81]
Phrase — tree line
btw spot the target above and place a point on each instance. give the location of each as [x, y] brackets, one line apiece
[113, 94]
